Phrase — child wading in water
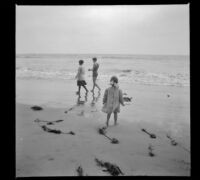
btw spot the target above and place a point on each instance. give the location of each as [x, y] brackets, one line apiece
[112, 99]
[81, 77]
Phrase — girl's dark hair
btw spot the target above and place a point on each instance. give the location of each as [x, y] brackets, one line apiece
[94, 59]
[114, 79]
[81, 62]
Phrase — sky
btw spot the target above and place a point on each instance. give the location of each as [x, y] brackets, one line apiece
[119, 29]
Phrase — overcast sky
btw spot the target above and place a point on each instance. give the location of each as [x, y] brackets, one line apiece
[152, 29]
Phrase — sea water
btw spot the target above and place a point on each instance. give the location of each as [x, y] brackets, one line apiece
[167, 70]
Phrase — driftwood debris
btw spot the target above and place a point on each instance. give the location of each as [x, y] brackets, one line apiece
[112, 169]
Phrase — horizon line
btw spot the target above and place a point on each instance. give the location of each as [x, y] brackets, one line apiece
[100, 54]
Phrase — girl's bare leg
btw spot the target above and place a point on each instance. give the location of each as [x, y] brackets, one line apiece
[97, 86]
[115, 118]
[79, 89]
[108, 117]
[85, 88]
[93, 78]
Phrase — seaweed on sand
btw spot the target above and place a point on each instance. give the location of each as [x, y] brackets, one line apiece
[151, 151]
[80, 171]
[112, 169]
[127, 99]
[102, 131]
[150, 134]
[114, 141]
[36, 108]
[70, 109]
[49, 122]
[173, 142]
[45, 128]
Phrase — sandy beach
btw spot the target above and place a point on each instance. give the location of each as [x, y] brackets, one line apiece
[147, 50]
[161, 110]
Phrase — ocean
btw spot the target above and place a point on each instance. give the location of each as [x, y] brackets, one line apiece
[167, 70]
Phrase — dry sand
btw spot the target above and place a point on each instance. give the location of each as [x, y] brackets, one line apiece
[40, 153]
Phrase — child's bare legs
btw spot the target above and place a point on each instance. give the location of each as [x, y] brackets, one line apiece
[85, 88]
[115, 118]
[95, 84]
[79, 89]
[108, 117]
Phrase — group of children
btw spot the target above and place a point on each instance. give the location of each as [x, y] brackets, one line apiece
[81, 75]
[113, 96]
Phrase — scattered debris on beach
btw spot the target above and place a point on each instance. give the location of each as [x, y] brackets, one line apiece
[150, 134]
[150, 148]
[69, 109]
[126, 70]
[79, 170]
[127, 99]
[55, 131]
[102, 131]
[36, 108]
[173, 142]
[49, 122]
[112, 169]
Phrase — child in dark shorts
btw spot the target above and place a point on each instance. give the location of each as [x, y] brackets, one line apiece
[80, 76]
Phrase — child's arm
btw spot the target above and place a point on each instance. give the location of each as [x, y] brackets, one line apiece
[105, 96]
[91, 68]
[121, 100]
